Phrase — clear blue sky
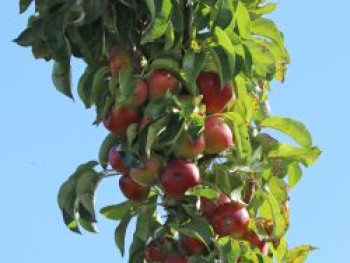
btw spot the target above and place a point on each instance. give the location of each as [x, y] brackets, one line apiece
[43, 137]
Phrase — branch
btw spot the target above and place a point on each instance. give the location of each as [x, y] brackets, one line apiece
[187, 11]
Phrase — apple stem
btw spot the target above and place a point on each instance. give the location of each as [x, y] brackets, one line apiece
[108, 173]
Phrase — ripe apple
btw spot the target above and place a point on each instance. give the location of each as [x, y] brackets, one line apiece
[230, 219]
[154, 253]
[118, 59]
[119, 119]
[217, 134]
[148, 174]
[215, 98]
[187, 148]
[160, 82]
[192, 245]
[133, 190]
[209, 206]
[179, 176]
[177, 259]
[139, 96]
[254, 239]
[117, 162]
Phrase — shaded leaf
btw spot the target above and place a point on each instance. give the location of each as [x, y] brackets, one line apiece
[61, 77]
[85, 87]
[120, 232]
[160, 11]
[23, 5]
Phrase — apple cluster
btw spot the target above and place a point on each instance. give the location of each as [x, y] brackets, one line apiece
[175, 173]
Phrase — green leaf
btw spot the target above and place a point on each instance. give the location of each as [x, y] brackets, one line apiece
[299, 254]
[196, 126]
[120, 232]
[61, 77]
[293, 128]
[203, 191]
[224, 41]
[88, 226]
[136, 251]
[224, 62]
[224, 17]
[280, 253]
[172, 131]
[279, 189]
[294, 174]
[192, 65]
[197, 228]
[167, 63]
[240, 131]
[67, 197]
[31, 35]
[307, 156]
[127, 84]
[85, 86]
[264, 62]
[267, 28]
[160, 11]
[119, 211]
[78, 39]
[99, 79]
[153, 132]
[157, 107]
[67, 203]
[23, 5]
[53, 33]
[271, 210]
[243, 21]
[86, 187]
[93, 9]
[230, 250]
[243, 104]
[266, 9]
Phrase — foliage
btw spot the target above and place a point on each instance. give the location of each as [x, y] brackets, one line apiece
[231, 37]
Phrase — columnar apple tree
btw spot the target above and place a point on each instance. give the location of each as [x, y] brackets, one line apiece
[182, 87]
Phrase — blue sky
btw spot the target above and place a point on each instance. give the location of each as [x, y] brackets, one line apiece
[43, 136]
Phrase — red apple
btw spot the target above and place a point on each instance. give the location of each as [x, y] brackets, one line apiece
[254, 239]
[139, 96]
[230, 219]
[119, 120]
[154, 253]
[150, 173]
[215, 98]
[177, 259]
[187, 148]
[160, 82]
[209, 206]
[116, 161]
[118, 59]
[192, 245]
[179, 176]
[133, 190]
[217, 134]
